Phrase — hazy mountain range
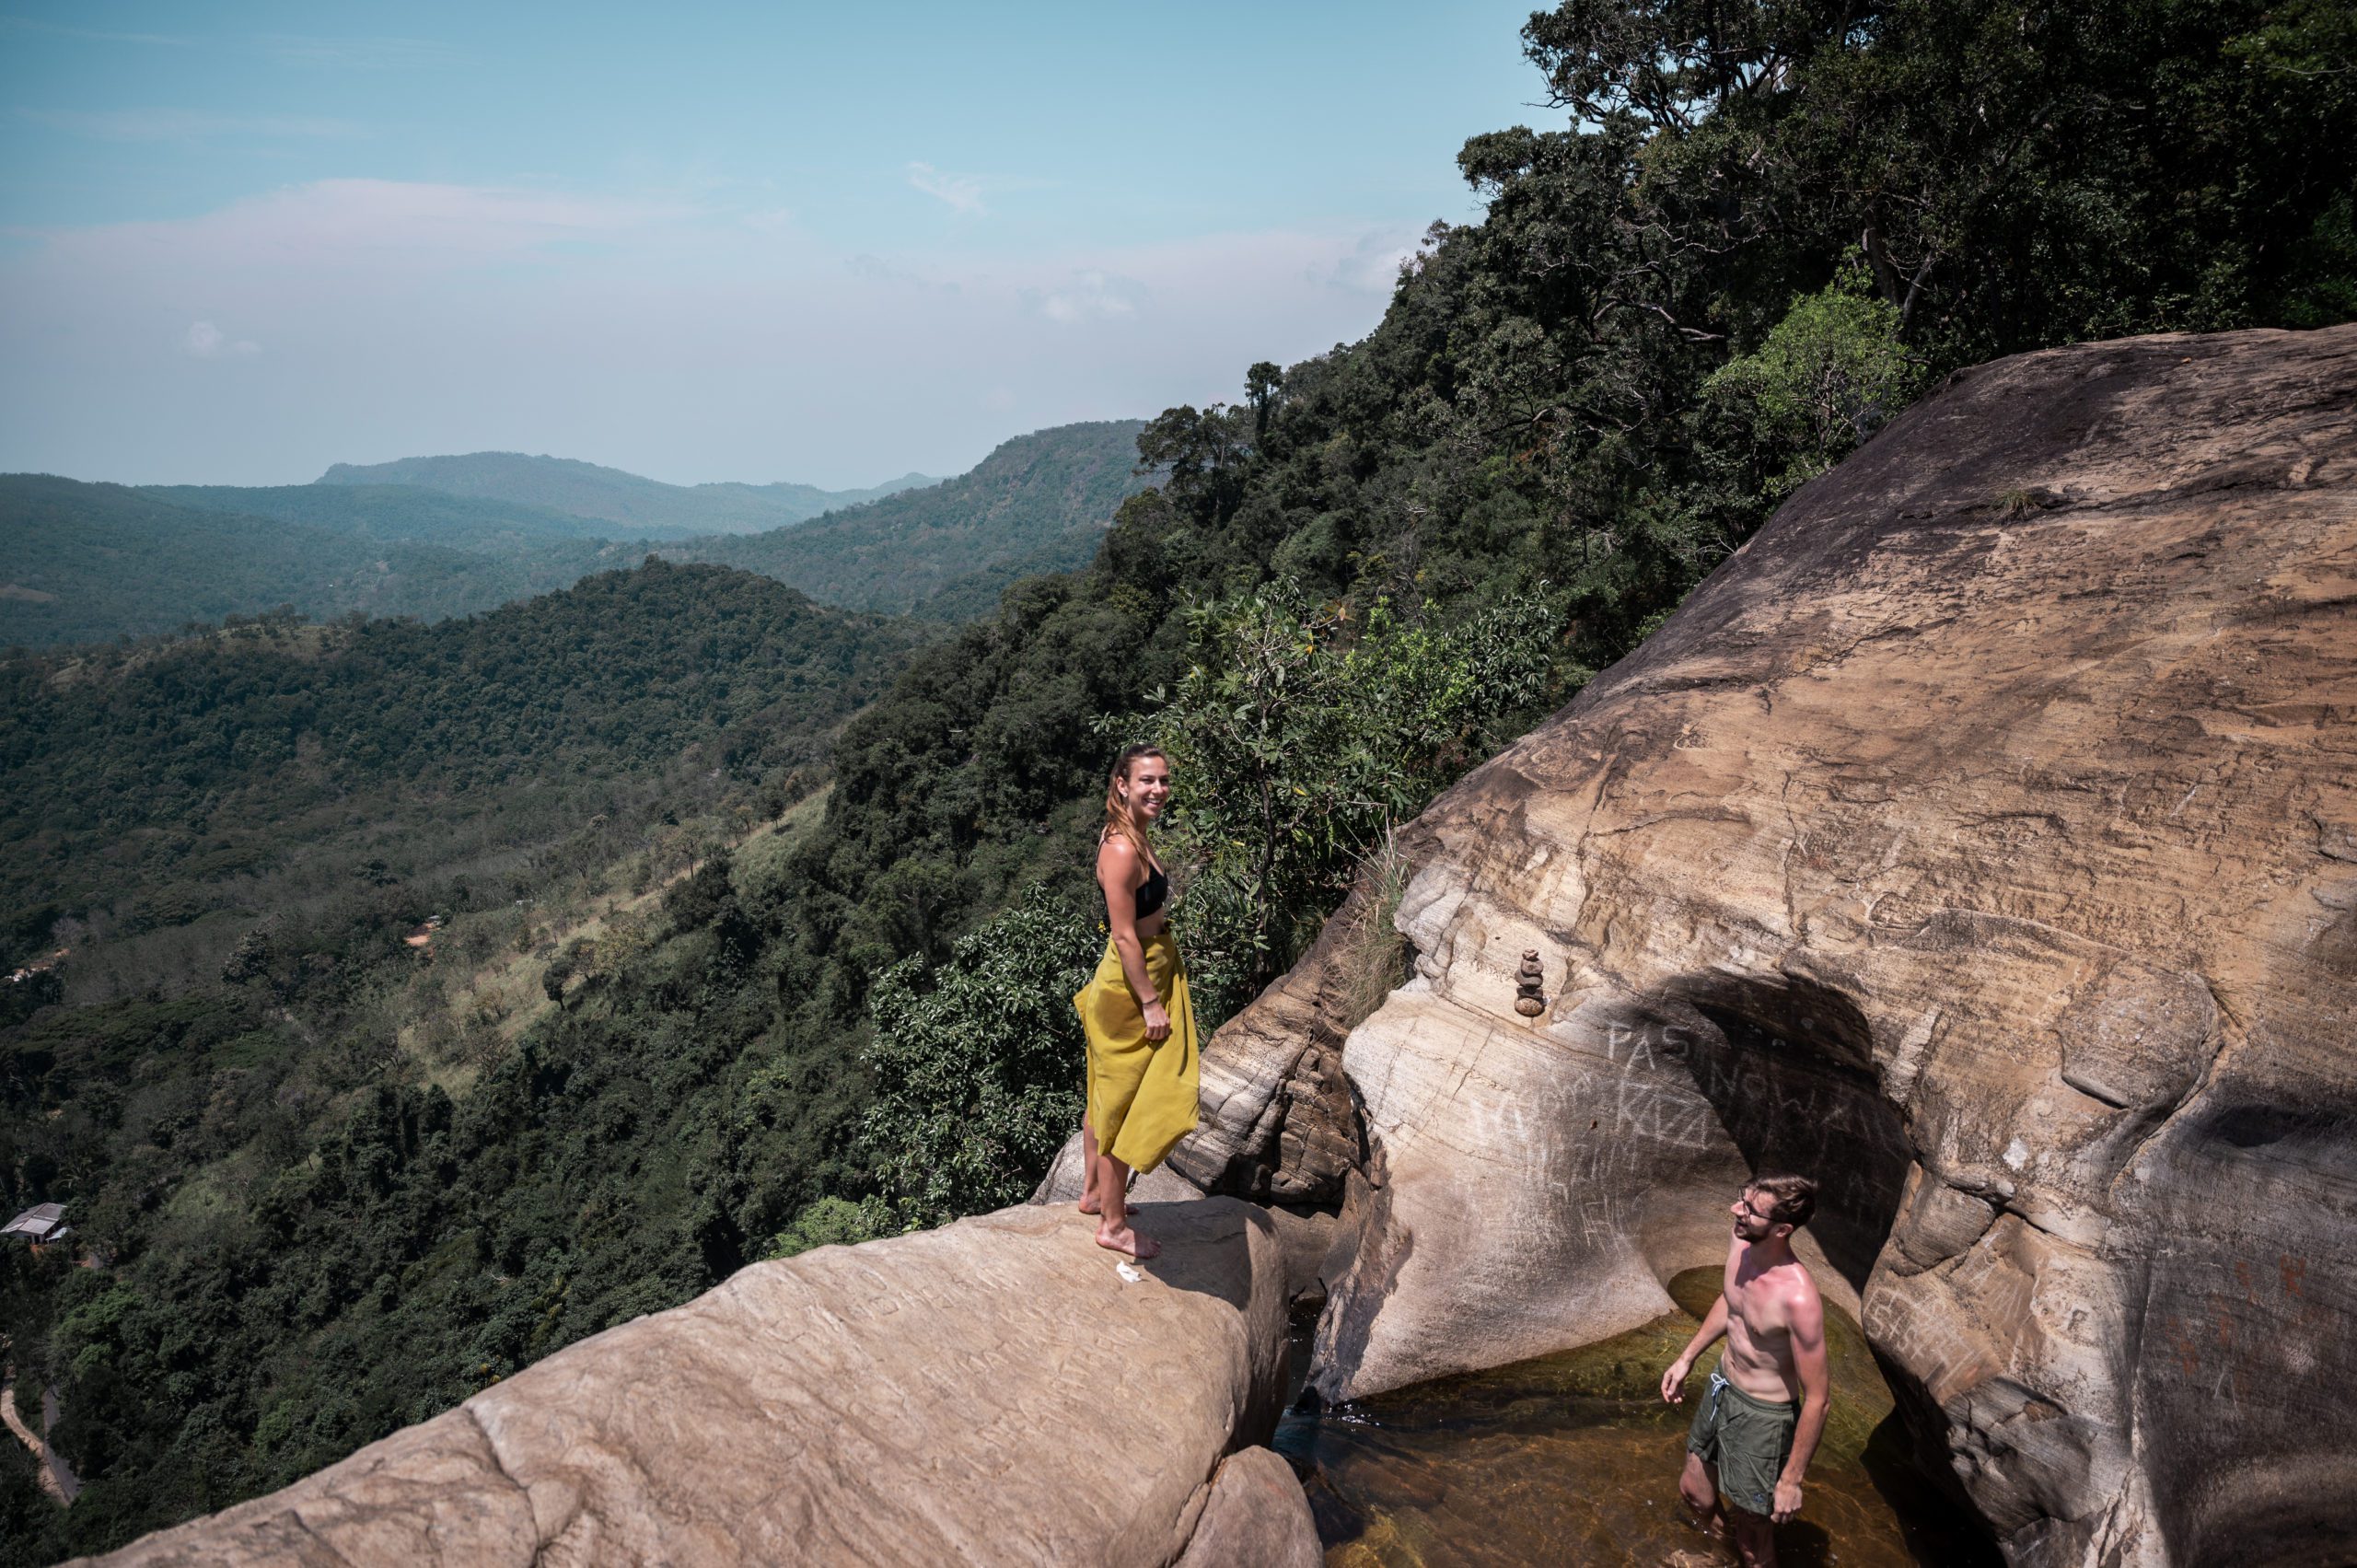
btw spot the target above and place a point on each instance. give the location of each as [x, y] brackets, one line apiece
[1036, 503]
[437, 537]
[645, 508]
[89, 563]
[410, 512]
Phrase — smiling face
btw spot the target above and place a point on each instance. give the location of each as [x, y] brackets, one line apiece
[1146, 790]
[1751, 1209]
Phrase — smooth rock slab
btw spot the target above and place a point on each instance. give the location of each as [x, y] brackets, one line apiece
[989, 1392]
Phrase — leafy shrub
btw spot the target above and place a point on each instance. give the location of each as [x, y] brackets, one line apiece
[977, 1080]
[832, 1222]
[1828, 376]
[1296, 739]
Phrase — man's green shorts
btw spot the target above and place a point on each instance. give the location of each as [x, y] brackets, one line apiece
[1748, 1439]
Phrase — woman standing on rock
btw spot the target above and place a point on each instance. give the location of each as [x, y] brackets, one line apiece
[1143, 1068]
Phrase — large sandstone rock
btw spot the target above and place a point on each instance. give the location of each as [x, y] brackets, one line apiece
[989, 1392]
[1982, 839]
[1256, 1517]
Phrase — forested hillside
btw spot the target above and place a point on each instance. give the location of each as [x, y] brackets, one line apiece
[1038, 503]
[640, 507]
[392, 512]
[89, 563]
[1758, 232]
[266, 762]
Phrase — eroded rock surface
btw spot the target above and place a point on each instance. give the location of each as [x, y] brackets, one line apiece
[989, 1392]
[1278, 1122]
[1982, 839]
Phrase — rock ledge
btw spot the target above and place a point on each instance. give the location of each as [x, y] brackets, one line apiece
[978, 1393]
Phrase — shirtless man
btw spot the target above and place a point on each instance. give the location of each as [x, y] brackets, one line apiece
[1764, 1410]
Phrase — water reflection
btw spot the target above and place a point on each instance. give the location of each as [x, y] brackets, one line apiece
[1573, 1459]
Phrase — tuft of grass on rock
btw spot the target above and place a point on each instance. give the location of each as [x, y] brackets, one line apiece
[1371, 958]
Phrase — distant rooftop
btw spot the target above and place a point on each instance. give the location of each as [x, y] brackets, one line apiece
[43, 1222]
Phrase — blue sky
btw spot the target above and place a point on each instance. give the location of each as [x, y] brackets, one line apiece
[758, 242]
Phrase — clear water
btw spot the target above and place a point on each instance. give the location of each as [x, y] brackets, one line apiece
[1573, 1459]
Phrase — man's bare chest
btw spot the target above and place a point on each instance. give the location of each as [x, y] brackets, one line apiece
[1757, 1309]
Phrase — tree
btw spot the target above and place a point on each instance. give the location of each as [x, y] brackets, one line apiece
[1263, 384]
[832, 1222]
[978, 1077]
[1202, 455]
[1296, 739]
[1828, 375]
[579, 957]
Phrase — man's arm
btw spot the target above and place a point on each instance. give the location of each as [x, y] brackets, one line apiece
[1673, 1382]
[1808, 1326]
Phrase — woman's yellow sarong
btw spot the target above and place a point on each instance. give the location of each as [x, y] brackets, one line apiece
[1142, 1093]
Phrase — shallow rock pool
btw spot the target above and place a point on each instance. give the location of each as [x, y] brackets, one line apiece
[1573, 1459]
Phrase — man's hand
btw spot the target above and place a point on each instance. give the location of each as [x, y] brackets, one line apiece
[1788, 1502]
[1673, 1382]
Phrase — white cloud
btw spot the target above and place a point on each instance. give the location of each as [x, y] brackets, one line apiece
[773, 220]
[1374, 264]
[187, 124]
[342, 223]
[1090, 296]
[204, 341]
[962, 192]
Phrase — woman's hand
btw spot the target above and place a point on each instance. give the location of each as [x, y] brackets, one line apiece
[1157, 1021]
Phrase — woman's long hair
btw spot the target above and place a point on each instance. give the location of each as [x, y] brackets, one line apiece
[1118, 817]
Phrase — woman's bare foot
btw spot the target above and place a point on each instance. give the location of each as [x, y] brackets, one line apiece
[1129, 1243]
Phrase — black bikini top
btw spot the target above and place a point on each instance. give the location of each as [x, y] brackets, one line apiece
[1152, 891]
